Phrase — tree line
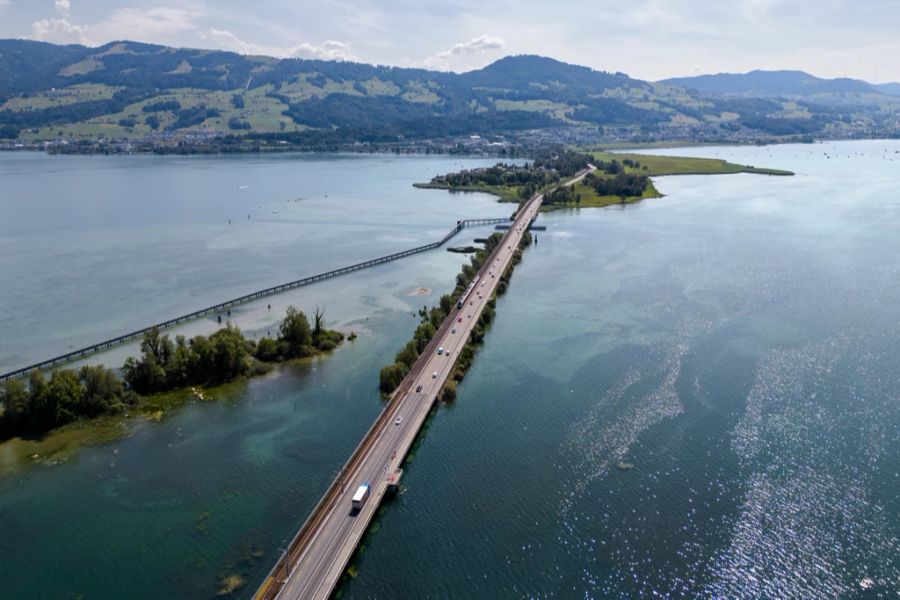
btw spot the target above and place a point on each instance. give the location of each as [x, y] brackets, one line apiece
[70, 113]
[565, 163]
[39, 405]
[500, 174]
[624, 185]
[564, 194]
[430, 321]
[547, 168]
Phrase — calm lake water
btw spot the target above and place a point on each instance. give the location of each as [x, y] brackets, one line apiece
[695, 396]
[93, 247]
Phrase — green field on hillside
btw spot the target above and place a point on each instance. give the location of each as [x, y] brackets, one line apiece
[66, 96]
[262, 112]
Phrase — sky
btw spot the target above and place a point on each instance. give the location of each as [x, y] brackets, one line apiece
[648, 39]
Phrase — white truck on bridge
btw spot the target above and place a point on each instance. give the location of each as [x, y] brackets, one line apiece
[360, 497]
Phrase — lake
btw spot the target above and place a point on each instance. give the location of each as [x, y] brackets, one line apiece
[690, 396]
[94, 246]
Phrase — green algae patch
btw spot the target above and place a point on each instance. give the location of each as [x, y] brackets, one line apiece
[17, 453]
[230, 584]
[202, 522]
[62, 444]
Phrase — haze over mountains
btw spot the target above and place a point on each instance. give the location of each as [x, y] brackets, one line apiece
[134, 91]
[782, 84]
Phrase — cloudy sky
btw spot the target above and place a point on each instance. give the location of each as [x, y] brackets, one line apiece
[649, 39]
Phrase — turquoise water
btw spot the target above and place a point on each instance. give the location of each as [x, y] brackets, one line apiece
[93, 247]
[695, 396]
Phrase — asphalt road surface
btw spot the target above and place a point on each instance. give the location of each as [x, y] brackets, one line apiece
[336, 530]
[321, 563]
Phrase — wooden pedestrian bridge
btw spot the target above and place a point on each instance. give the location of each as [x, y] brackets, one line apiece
[223, 307]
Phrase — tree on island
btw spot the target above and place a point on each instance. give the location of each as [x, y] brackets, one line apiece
[163, 365]
[296, 335]
[68, 396]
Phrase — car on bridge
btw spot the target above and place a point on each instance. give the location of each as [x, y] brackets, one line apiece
[434, 375]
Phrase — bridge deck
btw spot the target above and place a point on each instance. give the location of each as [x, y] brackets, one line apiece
[315, 560]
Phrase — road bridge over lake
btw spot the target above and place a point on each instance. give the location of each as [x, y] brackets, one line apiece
[315, 559]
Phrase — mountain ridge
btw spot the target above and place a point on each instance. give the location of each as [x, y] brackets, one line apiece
[765, 83]
[127, 90]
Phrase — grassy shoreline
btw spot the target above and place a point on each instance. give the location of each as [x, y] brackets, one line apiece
[659, 165]
[505, 194]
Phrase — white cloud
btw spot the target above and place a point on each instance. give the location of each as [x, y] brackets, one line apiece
[155, 25]
[3, 4]
[58, 31]
[63, 6]
[477, 45]
[166, 24]
[147, 25]
[226, 40]
[329, 50]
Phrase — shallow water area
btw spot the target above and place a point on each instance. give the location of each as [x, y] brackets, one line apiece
[103, 245]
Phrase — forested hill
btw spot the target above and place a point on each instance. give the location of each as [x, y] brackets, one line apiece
[135, 91]
[783, 83]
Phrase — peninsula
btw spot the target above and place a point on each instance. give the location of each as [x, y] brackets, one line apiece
[618, 178]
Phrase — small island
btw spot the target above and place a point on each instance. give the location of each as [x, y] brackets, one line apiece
[42, 406]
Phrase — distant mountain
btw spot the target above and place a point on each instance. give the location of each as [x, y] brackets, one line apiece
[540, 76]
[129, 90]
[889, 88]
[770, 84]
